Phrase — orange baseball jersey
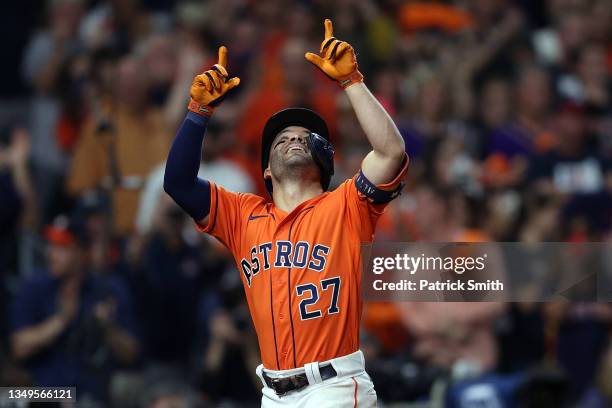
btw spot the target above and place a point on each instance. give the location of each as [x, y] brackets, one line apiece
[301, 270]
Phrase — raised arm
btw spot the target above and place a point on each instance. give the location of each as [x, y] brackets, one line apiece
[337, 60]
[181, 180]
[388, 152]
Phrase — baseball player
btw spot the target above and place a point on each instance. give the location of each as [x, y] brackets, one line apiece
[299, 255]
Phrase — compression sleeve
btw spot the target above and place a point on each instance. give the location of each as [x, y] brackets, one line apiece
[181, 180]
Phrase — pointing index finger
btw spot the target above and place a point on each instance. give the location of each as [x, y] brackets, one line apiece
[223, 56]
[329, 29]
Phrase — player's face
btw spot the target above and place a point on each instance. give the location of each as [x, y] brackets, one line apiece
[290, 147]
[289, 153]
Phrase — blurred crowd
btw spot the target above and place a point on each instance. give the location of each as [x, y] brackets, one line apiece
[506, 110]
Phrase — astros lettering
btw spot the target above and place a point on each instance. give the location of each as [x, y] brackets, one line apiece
[288, 255]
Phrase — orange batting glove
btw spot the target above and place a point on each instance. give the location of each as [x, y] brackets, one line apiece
[209, 88]
[337, 59]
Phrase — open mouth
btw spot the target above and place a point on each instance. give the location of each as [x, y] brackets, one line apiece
[296, 147]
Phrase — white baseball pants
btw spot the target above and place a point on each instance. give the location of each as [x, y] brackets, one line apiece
[351, 388]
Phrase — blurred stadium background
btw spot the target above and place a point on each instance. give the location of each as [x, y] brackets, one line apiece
[506, 109]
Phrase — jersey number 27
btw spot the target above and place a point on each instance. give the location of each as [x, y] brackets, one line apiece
[312, 297]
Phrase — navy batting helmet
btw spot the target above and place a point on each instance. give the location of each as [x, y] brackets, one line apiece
[318, 141]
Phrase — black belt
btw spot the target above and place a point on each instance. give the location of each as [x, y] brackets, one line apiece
[296, 382]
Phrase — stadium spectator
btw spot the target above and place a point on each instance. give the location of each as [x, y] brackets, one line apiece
[54, 67]
[172, 276]
[122, 144]
[573, 166]
[231, 343]
[71, 328]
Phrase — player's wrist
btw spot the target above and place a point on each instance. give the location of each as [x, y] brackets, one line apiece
[354, 78]
[198, 119]
[200, 108]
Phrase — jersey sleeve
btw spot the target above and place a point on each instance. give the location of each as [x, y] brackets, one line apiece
[363, 211]
[225, 218]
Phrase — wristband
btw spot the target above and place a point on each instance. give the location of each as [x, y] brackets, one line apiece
[198, 108]
[352, 79]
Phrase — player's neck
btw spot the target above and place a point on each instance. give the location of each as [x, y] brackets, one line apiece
[291, 193]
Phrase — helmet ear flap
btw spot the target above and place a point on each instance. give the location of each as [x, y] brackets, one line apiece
[323, 155]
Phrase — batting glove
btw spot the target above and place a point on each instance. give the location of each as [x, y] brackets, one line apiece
[209, 88]
[337, 59]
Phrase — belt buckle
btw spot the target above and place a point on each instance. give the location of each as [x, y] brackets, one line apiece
[293, 380]
[274, 382]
